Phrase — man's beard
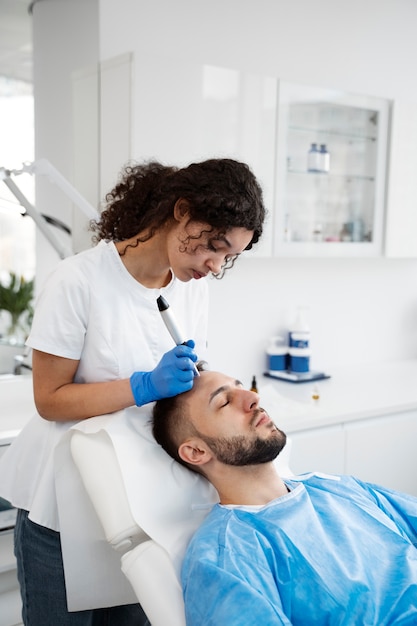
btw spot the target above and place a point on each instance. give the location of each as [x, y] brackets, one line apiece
[240, 450]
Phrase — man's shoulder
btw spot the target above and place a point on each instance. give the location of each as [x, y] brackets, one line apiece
[220, 529]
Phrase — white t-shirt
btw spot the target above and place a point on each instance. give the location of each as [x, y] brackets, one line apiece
[91, 309]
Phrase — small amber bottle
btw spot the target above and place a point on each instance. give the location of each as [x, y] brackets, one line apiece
[315, 394]
[253, 386]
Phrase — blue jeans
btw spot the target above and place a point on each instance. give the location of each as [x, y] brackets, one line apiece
[41, 577]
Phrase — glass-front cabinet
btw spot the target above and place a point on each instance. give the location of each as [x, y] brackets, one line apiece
[330, 172]
[319, 153]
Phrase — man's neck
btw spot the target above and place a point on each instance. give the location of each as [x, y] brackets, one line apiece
[251, 484]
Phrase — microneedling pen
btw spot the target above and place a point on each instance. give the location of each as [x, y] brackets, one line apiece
[172, 325]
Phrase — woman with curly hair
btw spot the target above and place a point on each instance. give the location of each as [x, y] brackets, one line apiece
[100, 346]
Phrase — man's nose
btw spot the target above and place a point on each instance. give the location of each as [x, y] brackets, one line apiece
[250, 399]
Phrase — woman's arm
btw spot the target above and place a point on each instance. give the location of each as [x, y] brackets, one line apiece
[59, 399]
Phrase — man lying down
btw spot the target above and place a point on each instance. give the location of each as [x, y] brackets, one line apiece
[313, 549]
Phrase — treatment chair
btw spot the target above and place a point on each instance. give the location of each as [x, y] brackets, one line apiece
[145, 564]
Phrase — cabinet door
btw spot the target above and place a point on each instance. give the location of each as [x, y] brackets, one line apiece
[383, 451]
[238, 120]
[331, 162]
[319, 449]
[401, 229]
[10, 602]
[192, 111]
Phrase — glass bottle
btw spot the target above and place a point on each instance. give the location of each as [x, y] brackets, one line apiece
[324, 159]
[313, 159]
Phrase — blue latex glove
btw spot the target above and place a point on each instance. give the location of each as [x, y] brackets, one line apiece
[174, 374]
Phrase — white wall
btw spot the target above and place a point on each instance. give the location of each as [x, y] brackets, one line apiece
[364, 47]
[360, 310]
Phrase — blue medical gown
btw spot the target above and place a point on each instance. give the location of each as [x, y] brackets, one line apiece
[334, 551]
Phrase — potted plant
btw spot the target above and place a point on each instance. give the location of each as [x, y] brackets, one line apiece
[16, 297]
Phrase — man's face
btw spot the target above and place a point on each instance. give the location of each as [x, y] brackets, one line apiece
[230, 421]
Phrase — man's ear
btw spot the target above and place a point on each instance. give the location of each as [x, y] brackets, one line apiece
[195, 452]
[181, 209]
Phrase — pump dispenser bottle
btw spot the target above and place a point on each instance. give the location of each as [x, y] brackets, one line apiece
[299, 342]
[299, 335]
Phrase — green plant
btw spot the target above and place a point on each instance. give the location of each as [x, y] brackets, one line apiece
[16, 298]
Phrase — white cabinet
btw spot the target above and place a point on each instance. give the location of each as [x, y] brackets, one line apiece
[238, 120]
[319, 449]
[352, 207]
[331, 172]
[333, 206]
[383, 450]
[401, 226]
[10, 602]
[379, 450]
[211, 112]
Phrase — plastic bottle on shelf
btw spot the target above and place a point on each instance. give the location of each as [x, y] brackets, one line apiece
[313, 159]
[277, 355]
[299, 342]
[324, 159]
[346, 232]
[299, 334]
[299, 360]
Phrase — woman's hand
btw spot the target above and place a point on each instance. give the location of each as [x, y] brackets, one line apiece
[174, 374]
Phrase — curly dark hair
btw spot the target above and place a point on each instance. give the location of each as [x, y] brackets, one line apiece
[222, 193]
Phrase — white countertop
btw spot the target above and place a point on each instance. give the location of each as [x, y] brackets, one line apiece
[350, 394]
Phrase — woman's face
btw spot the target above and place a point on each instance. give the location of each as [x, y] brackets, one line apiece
[195, 250]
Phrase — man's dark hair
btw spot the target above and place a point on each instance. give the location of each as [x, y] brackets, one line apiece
[170, 426]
